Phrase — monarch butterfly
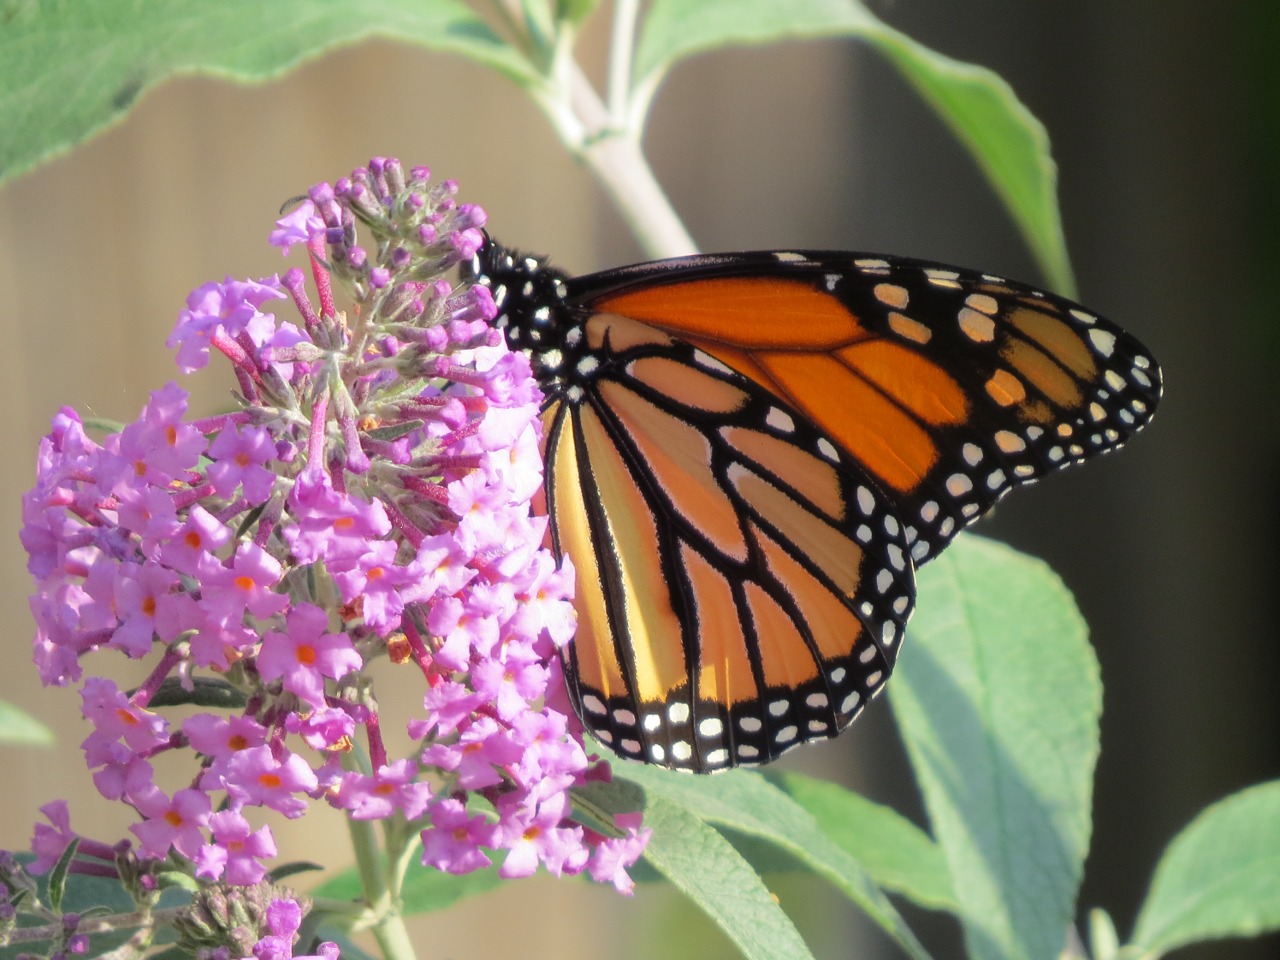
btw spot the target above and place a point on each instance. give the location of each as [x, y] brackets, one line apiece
[748, 454]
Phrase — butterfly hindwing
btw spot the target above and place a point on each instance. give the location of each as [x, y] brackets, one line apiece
[740, 591]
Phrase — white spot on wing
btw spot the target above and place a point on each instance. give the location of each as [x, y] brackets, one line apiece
[780, 420]
[1104, 341]
[866, 501]
[704, 359]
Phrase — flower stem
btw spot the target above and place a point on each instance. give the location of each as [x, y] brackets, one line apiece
[389, 929]
[610, 148]
[621, 43]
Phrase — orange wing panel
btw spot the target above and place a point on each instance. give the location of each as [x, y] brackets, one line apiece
[631, 532]
[749, 312]
[816, 480]
[786, 658]
[857, 416]
[724, 669]
[679, 458]
[1043, 373]
[678, 384]
[920, 385]
[1058, 339]
[593, 642]
[835, 627]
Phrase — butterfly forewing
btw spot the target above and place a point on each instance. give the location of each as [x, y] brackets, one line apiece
[950, 387]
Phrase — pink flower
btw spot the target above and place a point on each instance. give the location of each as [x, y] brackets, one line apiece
[159, 446]
[239, 456]
[255, 776]
[245, 583]
[51, 839]
[199, 537]
[304, 654]
[236, 852]
[175, 822]
[390, 790]
[371, 498]
[454, 841]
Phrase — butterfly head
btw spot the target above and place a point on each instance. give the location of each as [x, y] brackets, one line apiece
[532, 310]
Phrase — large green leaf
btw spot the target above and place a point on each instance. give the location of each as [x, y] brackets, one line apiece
[998, 698]
[704, 866]
[425, 888]
[68, 69]
[19, 727]
[1220, 877]
[95, 897]
[1009, 145]
[748, 804]
[897, 854]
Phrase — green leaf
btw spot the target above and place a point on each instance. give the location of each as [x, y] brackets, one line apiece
[747, 803]
[704, 866]
[88, 896]
[204, 692]
[1220, 877]
[575, 11]
[897, 854]
[68, 70]
[425, 889]
[997, 696]
[1009, 145]
[19, 727]
[176, 879]
[292, 869]
[58, 875]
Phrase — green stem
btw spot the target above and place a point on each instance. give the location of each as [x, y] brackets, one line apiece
[615, 157]
[621, 43]
[389, 929]
[607, 141]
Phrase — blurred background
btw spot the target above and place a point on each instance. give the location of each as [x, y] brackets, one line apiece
[1163, 119]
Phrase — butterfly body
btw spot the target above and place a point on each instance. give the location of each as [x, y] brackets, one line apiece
[747, 455]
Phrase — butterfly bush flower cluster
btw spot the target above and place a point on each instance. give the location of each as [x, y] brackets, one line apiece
[368, 498]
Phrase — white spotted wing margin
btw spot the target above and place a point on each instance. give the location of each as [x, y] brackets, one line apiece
[742, 586]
